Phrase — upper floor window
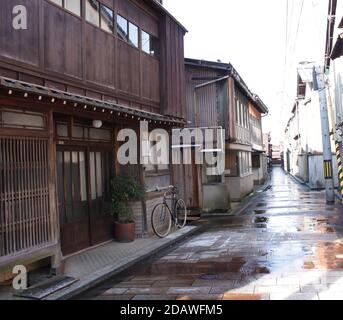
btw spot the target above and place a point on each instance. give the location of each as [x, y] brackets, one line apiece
[93, 12]
[133, 34]
[127, 31]
[100, 15]
[122, 28]
[73, 6]
[242, 112]
[149, 44]
[22, 119]
[106, 19]
[103, 17]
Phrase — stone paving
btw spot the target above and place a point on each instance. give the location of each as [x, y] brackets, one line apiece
[287, 245]
[95, 265]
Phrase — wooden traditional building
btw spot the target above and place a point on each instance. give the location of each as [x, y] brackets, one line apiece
[81, 71]
[217, 97]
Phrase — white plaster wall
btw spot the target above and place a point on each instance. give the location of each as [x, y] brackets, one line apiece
[215, 197]
[316, 171]
[239, 187]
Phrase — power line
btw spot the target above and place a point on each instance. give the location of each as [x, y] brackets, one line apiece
[298, 26]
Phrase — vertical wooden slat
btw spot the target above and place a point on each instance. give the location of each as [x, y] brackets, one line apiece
[26, 195]
[7, 209]
[39, 168]
[35, 197]
[15, 209]
[43, 191]
[29, 191]
[49, 213]
[20, 192]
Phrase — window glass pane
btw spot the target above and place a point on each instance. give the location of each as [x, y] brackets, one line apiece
[98, 175]
[100, 134]
[67, 174]
[146, 42]
[73, 5]
[77, 132]
[122, 28]
[27, 120]
[133, 34]
[154, 46]
[59, 2]
[237, 110]
[60, 186]
[62, 130]
[75, 175]
[92, 176]
[92, 12]
[83, 186]
[162, 167]
[106, 19]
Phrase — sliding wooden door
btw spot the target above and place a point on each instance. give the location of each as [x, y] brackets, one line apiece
[84, 194]
[73, 199]
[100, 174]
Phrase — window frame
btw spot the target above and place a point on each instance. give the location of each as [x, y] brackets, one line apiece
[63, 6]
[245, 163]
[127, 28]
[154, 42]
[151, 38]
[113, 19]
[129, 33]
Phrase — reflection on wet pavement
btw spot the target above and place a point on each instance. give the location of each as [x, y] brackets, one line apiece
[287, 245]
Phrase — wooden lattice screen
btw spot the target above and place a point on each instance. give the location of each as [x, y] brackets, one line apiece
[25, 215]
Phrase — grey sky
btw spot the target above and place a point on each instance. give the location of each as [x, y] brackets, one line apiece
[251, 34]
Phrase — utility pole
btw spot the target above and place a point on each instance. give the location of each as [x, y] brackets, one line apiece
[320, 86]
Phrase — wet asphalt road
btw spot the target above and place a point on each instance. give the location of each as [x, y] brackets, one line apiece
[287, 245]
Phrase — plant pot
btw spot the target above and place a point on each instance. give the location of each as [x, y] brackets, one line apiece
[124, 232]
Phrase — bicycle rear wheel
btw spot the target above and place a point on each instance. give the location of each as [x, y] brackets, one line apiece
[181, 213]
[161, 220]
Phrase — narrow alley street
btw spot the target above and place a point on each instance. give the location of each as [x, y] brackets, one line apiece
[287, 245]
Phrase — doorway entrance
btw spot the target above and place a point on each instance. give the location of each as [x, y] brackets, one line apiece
[84, 197]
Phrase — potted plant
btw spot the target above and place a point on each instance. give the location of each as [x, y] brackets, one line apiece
[125, 189]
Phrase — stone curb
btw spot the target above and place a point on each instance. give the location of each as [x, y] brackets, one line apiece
[246, 202]
[96, 278]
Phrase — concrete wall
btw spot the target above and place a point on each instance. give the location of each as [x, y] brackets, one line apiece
[139, 215]
[336, 72]
[260, 174]
[303, 173]
[316, 177]
[215, 197]
[239, 187]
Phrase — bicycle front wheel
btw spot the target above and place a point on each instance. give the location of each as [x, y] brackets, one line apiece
[181, 213]
[161, 220]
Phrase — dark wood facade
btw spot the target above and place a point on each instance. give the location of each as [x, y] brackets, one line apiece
[216, 96]
[62, 50]
[59, 195]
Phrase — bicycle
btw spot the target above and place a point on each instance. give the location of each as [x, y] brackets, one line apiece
[162, 215]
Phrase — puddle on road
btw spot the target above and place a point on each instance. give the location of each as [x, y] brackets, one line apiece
[236, 248]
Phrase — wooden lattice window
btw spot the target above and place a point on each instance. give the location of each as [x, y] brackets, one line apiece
[25, 215]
